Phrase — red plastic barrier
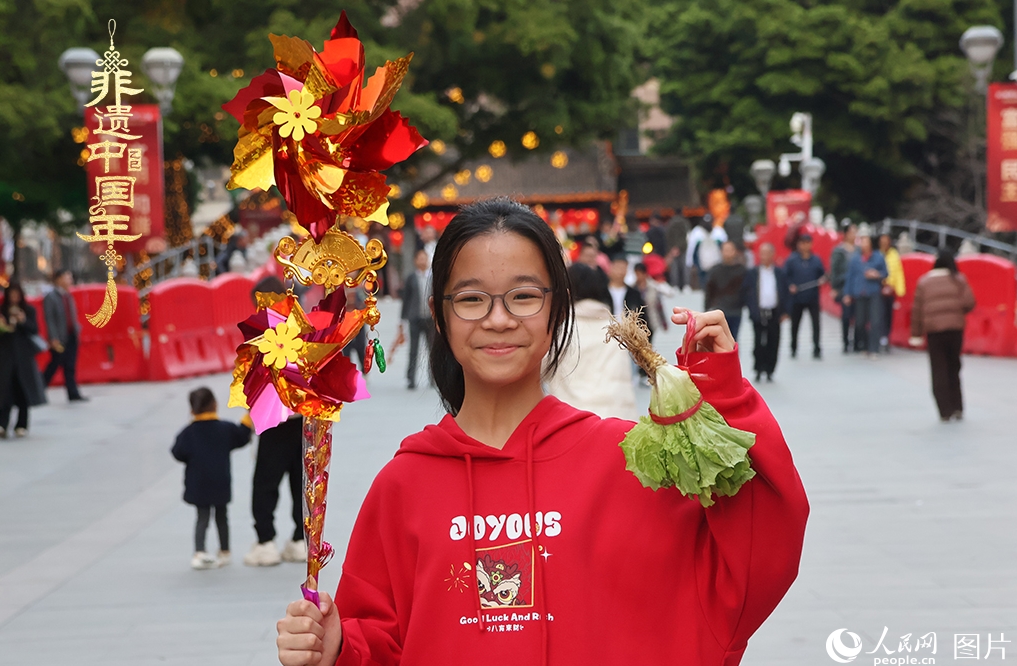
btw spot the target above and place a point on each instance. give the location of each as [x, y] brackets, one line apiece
[231, 303]
[916, 264]
[182, 330]
[991, 325]
[113, 353]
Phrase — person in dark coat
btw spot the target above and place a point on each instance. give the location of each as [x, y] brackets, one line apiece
[64, 330]
[416, 312]
[279, 455]
[20, 381]
[677, 234]
[805, 274]
[204, 447]
[765, 293]
[723, 289]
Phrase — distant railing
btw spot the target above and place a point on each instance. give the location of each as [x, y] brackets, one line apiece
[193, 259]
[931, 238]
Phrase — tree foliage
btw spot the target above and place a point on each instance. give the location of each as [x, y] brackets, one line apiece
[885, 82]
[521, 65]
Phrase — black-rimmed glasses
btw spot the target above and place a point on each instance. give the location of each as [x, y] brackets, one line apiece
[519, 302]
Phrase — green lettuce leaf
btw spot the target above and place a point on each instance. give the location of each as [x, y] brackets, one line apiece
[702, 456]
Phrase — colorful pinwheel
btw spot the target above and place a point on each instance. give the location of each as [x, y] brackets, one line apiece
[314, 130]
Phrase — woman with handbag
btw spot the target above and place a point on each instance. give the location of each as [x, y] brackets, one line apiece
[20, 382]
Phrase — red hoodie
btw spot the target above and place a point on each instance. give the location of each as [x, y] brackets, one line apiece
[612, 572]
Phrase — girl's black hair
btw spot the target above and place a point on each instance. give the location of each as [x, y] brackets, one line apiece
[589, 283]
[944, 259]
[6, 307]
[499, 215]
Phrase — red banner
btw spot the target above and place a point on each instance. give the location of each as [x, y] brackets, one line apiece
[128, 158]
[1001, 158]
[784, 207]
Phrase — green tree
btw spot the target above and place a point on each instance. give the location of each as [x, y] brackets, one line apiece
[884, 81]
[561, 68]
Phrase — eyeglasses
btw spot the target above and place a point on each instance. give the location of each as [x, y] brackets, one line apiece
[518, 302]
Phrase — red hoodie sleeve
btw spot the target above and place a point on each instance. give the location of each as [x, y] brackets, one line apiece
[747, 546]
[365, 598]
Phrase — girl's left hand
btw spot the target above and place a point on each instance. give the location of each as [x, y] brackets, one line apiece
[712, 331]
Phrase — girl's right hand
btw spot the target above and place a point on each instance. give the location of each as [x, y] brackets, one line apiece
[309, 635]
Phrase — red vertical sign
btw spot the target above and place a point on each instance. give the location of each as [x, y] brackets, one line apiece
[146, 216]
[1001, 157]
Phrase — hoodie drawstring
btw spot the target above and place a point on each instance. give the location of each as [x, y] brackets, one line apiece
[470, 529]
[535, 530]
[538, 560]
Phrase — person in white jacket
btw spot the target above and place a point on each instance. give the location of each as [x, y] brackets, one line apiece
[594, 375]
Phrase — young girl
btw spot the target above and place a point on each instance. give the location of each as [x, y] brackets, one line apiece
[205, 446]
[511, 532]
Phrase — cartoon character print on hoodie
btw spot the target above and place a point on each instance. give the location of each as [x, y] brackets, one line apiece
[549, 551]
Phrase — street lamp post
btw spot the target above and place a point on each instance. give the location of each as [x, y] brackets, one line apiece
[77, 64]
[162, 66]
[812, 171]
[811, 168]
[980, 44]
[762, 172]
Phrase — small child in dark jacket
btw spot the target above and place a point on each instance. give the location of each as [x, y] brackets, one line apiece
[205, 446]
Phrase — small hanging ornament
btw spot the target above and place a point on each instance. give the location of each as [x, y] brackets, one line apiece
[379, 354]
[368, 359]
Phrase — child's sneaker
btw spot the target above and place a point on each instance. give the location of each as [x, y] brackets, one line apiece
[223, 559]
[263, 555]
[203, 560]
[295, 551]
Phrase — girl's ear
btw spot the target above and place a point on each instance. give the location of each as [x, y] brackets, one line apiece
[430, 306]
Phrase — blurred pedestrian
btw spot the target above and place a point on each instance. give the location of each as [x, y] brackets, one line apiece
[894, 286]
[609, 237]
[703, 251]
[623, 297]
[278, 455]
[593, 375]
[723, 290]
[734, 227]
[358, 345]
[805, 274]
[63, 329]
[863, 288]
[766, 295]
[235, 252]
[591, 255]
[204, 447]
[416, 312]
[677, 236]
[840, 259]
[20, 382]
[656, 236]
[942, 298]
[651, 291]
[427, 240]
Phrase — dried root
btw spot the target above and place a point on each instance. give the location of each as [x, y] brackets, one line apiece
[631, 333]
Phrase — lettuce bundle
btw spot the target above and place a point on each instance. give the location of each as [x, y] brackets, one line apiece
[684, 442]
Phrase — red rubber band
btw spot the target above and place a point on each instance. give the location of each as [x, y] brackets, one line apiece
[678, 418]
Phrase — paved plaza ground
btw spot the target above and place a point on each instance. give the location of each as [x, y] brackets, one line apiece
[912, 525]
